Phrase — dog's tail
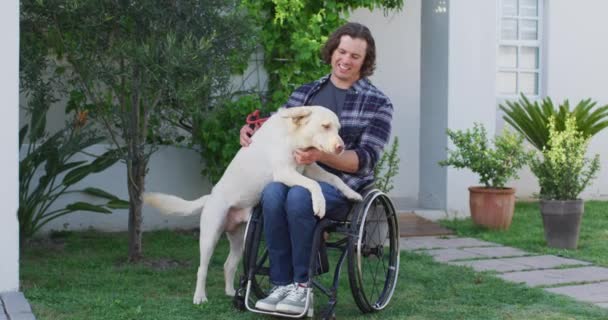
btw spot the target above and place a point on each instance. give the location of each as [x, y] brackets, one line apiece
[168, 204]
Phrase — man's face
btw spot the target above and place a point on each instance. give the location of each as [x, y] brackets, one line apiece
[347, 59]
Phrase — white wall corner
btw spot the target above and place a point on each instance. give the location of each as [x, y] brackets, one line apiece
[9, 162]
[471, 84]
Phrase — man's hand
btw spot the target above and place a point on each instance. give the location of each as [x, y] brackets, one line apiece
[307, 156]
[245, 136]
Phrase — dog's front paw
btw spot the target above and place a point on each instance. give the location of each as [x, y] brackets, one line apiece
[199, 298]
[318, 206]
[352, 195]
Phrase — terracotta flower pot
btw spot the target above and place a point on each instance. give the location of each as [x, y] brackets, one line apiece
[561, 221]
[492, 207]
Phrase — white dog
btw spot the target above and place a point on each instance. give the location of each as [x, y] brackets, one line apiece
[268, 158]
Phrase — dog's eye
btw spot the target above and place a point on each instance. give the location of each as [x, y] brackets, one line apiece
[326, 126]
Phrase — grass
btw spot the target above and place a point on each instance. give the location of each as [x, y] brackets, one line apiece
[84, 276]
[526, 232]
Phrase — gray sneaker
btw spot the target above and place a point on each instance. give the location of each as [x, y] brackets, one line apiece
[294, 302]
[277, 294]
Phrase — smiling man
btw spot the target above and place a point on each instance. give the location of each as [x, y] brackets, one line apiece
[365, 115]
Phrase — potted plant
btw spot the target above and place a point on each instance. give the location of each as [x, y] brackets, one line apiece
[563, 172]
[492, 204]
[531, 119]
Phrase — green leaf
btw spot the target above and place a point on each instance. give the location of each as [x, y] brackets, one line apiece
[84, 206]
[38, 124]
[22, 133]
[105, 161]
[99, 193]
[118, 204]
[70, 165]
[76, 175]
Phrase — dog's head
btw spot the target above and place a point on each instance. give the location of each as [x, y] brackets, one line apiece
[314, 126]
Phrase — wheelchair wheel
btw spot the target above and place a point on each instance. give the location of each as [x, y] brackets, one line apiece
[373, 257]
[255, 256]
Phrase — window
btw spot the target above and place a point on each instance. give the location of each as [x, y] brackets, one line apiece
[519, 47]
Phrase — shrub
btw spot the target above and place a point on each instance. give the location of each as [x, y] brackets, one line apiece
[387, 168]
[495, 166]
[51, 157]
[563, 171]
[217, 135]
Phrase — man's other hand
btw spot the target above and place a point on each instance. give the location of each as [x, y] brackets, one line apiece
[307, 156]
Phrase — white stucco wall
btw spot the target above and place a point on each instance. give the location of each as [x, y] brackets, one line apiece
[9, 162]
[171, 170]
[471, 83]
[576, 68]
[397, 74]
[176, 171]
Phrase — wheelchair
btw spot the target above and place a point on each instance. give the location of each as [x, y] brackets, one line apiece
[368, 240]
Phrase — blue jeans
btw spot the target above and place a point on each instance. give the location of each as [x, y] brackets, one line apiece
[289, 224]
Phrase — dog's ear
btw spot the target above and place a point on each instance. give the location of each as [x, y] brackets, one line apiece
[297, 114]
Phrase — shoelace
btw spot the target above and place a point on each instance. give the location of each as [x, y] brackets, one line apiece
[296, 295]
[281, 290]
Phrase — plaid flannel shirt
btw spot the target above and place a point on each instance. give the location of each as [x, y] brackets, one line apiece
[365, 125]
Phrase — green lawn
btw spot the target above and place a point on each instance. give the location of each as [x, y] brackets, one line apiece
[526, 232]
[83, 276]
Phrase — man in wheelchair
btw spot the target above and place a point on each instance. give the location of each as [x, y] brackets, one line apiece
[365, 114]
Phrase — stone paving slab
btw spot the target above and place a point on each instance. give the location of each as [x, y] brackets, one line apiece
[557, 276]
[497, 252]
[592, 292]
[16, 306]
[445, 255]
[451, 254]
[418, 243]
[3, 315]
[23, 316]
[519, 263]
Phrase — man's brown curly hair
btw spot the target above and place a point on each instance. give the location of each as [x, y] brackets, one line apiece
[356, 31]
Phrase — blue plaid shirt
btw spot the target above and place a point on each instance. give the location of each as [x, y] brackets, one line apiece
[365, 125]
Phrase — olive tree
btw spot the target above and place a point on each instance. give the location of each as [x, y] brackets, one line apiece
[138, 67]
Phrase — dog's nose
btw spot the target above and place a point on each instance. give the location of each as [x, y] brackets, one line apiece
[339, 148]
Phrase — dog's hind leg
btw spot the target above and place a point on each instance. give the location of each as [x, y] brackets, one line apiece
[212, 222]
[237, 241]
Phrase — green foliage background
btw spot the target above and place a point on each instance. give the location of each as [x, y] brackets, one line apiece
[292, 33]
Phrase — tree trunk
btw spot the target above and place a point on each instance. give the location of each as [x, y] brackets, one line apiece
[136, 177]
[135, 136]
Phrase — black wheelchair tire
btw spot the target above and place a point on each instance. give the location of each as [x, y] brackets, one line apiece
[364, 296]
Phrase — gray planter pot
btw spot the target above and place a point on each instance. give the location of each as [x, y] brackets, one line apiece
[562, 220]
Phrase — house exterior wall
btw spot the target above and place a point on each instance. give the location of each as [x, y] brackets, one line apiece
[437, 62]
[9, 162]
[471, 84]
[397, 37]
[575, 68]
[464, 54]
[171, 170]
[177, 171]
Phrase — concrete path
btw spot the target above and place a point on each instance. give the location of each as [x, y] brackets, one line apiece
[14, 306]
[574, 278]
